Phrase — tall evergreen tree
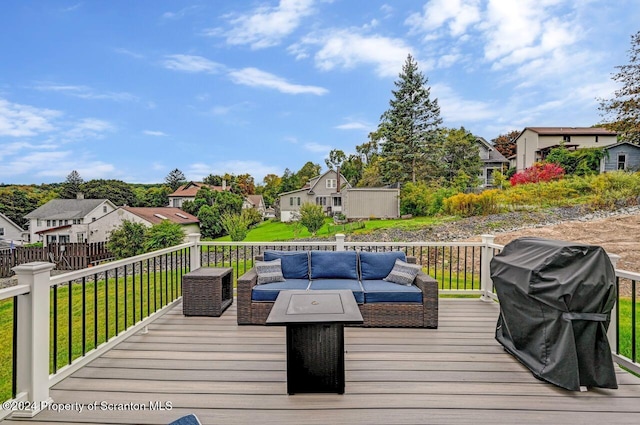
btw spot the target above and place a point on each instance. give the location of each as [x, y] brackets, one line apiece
[71, 186]
[625, 106]
[409, 127]
[175, 179]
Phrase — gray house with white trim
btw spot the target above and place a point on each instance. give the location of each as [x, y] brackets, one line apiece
[621, 156]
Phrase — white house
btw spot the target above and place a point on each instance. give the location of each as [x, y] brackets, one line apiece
[66, 220]
[148, 216]
[256, 202]
[10, 232]
[534, 143]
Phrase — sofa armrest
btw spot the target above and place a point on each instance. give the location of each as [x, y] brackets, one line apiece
[412, 260]
[429, 288]
[245, 284]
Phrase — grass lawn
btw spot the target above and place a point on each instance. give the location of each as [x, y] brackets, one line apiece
[276, 231]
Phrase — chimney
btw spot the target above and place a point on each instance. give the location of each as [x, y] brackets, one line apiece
[79, 195]
[338, 179]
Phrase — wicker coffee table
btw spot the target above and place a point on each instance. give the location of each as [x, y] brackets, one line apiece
[207, 291]
[315, 337]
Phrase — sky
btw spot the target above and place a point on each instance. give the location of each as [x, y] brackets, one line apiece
[131, 90]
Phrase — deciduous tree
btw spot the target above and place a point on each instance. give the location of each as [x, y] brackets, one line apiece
[506, 143]
[624, 107]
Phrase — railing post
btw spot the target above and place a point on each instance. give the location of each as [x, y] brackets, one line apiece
[486, 284]
[194, 259]
[612, 332]
[32, 373]
[339, 242]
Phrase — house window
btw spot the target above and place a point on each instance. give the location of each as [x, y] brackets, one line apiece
[104, 209]
[176, 203]
[64, 239]
[291, 201]
[298, 200]
[38, 223]
[80, 237]
[331, 183]
[48, 223]
[93, 219]
[566, 138]
[622, 161]
[337, 201]
[1, 231]
[321, 200]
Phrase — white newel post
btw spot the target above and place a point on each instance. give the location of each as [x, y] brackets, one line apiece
[612, 332]
[33, 336]
[340, 242]
[486, 284]
[194, 259]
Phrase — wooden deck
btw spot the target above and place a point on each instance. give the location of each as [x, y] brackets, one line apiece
[226, 374]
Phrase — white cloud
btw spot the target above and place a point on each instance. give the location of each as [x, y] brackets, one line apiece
[18, 120]
[154, 133]
[180, 13]
[317, 147]
[87, 128]
[458, 15]
[267, 26]
[254, 77]
[453, 108]
[85, 92]
[349, 48]
[191, 63]
[354, 125]
[128, 52]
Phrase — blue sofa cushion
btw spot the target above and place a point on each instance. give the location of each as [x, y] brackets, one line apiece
[270, 291]
[331, 284]
[380, 291]
[295, 264]
[378, 265]
[334, 265]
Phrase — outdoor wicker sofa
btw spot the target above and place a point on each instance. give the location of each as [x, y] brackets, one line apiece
[382, 303]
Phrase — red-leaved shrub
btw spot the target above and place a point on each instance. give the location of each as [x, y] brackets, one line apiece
[538, 172]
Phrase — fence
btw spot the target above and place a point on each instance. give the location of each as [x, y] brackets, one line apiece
[55, 325]
[68, 256]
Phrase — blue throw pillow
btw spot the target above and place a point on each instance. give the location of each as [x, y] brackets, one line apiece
[378, 265]
[295, 264]
[334, 265]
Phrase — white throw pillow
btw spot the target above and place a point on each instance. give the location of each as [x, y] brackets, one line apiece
[269, 271]
[403, 273]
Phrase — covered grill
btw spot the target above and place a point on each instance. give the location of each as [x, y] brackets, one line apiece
[555, 306]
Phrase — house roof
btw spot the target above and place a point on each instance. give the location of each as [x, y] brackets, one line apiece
[11, 222]
[633, 145]
[494, 155]
[155, 215]
[53, 229]
[190, 189]
[571, 131]
[255, 199]
[66, 208]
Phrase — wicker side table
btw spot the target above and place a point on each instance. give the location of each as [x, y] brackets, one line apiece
[207, 291]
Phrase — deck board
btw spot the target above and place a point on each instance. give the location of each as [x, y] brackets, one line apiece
[229, 374]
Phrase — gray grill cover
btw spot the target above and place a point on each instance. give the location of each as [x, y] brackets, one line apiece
[555, 306]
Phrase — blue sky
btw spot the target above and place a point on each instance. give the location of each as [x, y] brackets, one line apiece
[130, 90]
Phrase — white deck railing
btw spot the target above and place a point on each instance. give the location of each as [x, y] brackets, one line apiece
[459, 267]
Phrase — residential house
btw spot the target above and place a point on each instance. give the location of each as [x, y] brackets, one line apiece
[11, 233]
[333, 192]
[534, 143]
[148, 216]
[621, 156]
[492, 161]
[256, 202]
[187, 192]
[66, 220]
